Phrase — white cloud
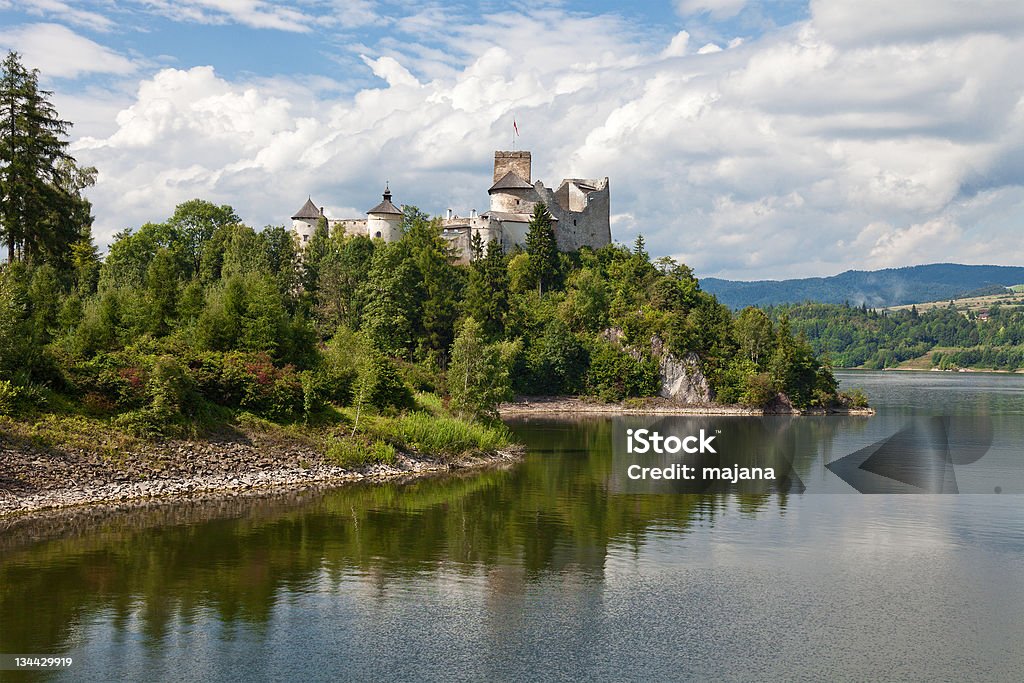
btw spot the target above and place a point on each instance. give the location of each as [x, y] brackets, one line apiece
[59, 52]
[806, 151]
[677, 47]
[718, 9]
[65, 12]
[251, 13]
[865, 22]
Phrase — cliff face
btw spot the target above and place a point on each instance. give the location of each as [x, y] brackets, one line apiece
[682, 380]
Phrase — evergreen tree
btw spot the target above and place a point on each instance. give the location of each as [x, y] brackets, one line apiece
[542, 247]
[42, 212]
[488, 291]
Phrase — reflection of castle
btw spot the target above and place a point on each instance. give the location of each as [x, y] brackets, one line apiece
[579, 208]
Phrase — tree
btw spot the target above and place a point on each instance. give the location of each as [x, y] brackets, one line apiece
[542, 247]
[478, 377]
[755, 336]
[195, 222]
[42, 212]
[487, 292]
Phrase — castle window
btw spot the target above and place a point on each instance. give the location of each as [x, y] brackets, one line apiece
[305, 238]
[378, 234]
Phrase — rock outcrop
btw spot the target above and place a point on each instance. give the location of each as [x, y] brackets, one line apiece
[682, 380]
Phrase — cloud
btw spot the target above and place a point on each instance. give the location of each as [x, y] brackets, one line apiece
[252, 13]
[862, 22]
[808, 150]
[67, 13]
[718, 9]
[59, 52]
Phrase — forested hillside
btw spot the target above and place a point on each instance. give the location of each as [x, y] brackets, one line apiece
[875, 289]
[852, 336]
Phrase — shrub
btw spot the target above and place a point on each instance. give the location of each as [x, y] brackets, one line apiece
[253, 382]
[171, 390]
[10, 395]
[144, 423]
[615, 374]
[758, 390]
[854, 398]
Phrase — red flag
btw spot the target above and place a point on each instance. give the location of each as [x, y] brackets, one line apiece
[515, 127]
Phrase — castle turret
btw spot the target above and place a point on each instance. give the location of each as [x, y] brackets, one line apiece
[384, 220]
[305, 219]
[512, 191]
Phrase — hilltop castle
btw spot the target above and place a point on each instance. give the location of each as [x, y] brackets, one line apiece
[579, 209]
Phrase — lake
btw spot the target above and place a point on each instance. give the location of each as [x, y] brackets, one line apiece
[545, 571]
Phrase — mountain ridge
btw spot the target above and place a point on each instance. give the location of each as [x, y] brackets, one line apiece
[873, 288]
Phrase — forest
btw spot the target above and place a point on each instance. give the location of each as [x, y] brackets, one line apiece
[188, 322]
[851, 336]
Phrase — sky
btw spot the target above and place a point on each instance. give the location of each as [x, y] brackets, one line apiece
[750, 139]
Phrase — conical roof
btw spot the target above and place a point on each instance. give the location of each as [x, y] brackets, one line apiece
[386, 207]
[308, 210]
[510, 181]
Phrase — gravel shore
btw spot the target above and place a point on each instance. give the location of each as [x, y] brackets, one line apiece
[569, 405]
[33, 479]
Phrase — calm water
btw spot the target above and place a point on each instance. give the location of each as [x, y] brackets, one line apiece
[539, 572]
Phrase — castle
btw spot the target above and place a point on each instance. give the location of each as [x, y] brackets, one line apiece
[579, 209]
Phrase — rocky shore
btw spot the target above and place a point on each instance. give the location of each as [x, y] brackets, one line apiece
[569, 405]
[34, 479]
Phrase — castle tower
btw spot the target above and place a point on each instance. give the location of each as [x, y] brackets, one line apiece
[384, 220]
[304, 221]
[512, 191]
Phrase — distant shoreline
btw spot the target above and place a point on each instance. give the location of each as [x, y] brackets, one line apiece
[569, 405]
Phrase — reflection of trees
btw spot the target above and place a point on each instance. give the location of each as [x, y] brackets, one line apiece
[552, 515]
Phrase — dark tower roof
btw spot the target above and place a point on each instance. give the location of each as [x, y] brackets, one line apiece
[386, 206]
[308, 210]
[510, 181]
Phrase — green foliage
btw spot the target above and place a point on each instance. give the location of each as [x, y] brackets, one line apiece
[42, 211]
[10, 397]
[355, 453]
[615, 375]
[858, 336]
[542, 247]
[432, 434]
[478, 377]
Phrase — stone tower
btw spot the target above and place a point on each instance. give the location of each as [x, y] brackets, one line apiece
[384, 220]
[305, 219]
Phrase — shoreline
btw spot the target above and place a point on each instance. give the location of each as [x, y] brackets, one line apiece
[35, 480]
[568, 405]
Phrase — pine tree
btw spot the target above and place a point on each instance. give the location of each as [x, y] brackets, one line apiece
[42, 213]
[542, 247]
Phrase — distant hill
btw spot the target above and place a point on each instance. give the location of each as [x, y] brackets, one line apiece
[876, 288]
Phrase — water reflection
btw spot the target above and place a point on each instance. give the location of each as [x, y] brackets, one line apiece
[541, 567]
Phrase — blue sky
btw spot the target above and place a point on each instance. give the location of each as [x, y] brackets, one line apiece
[750, 139]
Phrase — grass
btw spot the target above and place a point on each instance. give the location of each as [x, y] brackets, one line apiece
[429, 430]
[439, 435]
[354, 453]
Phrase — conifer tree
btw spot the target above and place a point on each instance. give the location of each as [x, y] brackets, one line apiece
[542, 247]
[42, 213]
